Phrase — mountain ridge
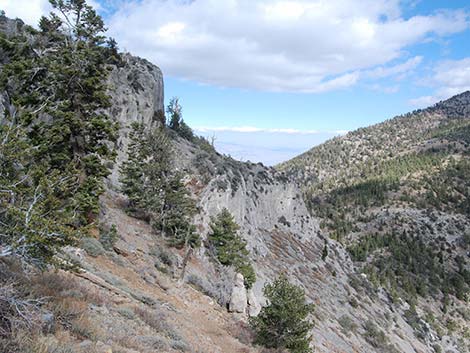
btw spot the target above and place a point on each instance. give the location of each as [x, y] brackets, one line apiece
[142, 295]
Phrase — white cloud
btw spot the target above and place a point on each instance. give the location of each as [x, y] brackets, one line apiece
[269, 146]
[257, 130]
[449, 78]
[403, 68]
[278, 45]
[30, 11]
[252, 129]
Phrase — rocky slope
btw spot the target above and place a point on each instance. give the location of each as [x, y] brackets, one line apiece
[133, 297]
[396, 195]
[284, 237]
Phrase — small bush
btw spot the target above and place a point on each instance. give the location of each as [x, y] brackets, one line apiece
[16, 312]
[84, 328]
[242, 332]
[220, 290]
[127, 312]
[108, 238]
[375, 336]
[92, 246]
[154, 319]
[180, 345]
[347, 324]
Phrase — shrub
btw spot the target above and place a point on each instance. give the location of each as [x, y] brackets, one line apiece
[92, 246]
[347, 324]
[220, 289]
[16, 313]
[153, 318]
[127, 312]
[109, 237]
[374, 335]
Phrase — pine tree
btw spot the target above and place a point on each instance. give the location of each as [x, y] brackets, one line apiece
[155, 189]
[57, 79]
[174, 111]
[55, 94]
[177, 213]
[284, 322]
[229, 247]
[144, 174]
[176, 122]
[34, 224]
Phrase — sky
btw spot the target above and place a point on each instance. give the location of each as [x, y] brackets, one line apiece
[269, 79]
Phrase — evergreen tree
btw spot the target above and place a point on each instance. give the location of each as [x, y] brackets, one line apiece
[144, 174]
[177, 213]
[155, 190]
[229, 247]
[174, 111]
[284, 322]
[34, 224]
[55, 137]
[176, 122]
[57, 81]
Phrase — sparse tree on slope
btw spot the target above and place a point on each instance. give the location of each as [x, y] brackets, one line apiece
[229, 247]
[284, 323]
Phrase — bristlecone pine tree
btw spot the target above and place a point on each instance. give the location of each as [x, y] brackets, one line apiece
[155, 189]
[55, 139]
[284, 323]
[229, 247]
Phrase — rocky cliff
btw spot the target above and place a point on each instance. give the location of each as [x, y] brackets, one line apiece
[136, 90]
[133, 297]
[351, 314]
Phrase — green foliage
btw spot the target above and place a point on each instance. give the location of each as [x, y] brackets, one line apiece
[229, 247]
[284, 322]
[92, 246]
[177, 213]
[176, 121]
[144, 174]
[36, 206]
[109, 237]
[174, 111]
[376, 337]
[155, 189]
[347, 324]
[408, 265]
[55, 97]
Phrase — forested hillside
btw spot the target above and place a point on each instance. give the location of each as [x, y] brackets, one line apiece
[397, 196]
[122, 231]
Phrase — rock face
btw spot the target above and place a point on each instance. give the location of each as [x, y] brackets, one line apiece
[238, 299]
[10, 27]
[254, 307]
[136, 90]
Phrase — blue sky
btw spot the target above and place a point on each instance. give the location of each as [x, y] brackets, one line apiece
[271, 78]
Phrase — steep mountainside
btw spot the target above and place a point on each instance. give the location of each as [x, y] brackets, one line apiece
[397, 196]
[136, 293]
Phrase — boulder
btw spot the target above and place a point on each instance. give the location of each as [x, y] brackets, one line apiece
[238, 299]
[253, 306]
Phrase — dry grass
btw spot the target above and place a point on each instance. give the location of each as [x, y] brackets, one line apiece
[60, 284]
[242, 332]
[153, 318]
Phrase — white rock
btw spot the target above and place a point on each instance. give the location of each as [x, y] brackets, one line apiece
[238, 299]
[253, 306]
